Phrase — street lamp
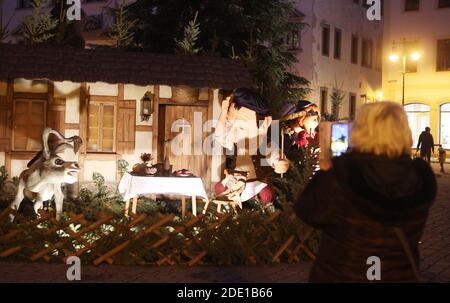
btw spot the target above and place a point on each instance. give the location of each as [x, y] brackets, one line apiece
[394, 57]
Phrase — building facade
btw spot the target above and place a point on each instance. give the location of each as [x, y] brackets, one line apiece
[96, 22]
[339, 47]
[423, 28]
[100, 98]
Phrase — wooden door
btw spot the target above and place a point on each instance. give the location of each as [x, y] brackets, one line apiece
[181, 138]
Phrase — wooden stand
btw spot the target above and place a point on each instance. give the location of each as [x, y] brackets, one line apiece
[183, 206]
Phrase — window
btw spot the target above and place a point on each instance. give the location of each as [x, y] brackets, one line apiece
[444, 3]
[24, 3]
[29, 123]
[352, 103]
[292, 40]
[418, 118]
[367, 53]
[443, 55]
[337, 43]
[354, 49]
[101, 127]
[445, 125]
[326, 40]
[323, 100]
[412, 5]
[411, 65]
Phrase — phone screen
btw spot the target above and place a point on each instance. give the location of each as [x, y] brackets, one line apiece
[340, 133]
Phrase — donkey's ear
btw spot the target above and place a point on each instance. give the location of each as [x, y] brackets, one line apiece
[45, 149]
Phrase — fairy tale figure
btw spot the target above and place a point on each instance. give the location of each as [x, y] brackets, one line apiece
[244, 121]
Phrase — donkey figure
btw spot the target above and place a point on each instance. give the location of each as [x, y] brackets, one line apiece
[46, 172]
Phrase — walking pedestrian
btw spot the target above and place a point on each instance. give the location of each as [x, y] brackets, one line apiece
[426, 144]
[442, 157]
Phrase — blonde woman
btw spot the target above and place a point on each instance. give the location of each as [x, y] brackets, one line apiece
[372, 204]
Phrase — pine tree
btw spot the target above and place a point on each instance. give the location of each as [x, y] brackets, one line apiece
[122, 32]
[191, 33]
[40, 26]
[337, 97]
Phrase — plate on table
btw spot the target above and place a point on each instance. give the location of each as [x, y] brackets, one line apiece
[183, 173]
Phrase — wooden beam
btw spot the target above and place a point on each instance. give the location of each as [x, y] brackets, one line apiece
[144, 128]
[41, 96]
[121, 91]
[104, 99]
[8, 164]
[10, 91]
[155, 122]
[102, 157]
[75, 126]
[22, 155]
[209, 157]
[168, 101]
[83, 127]
[50, 92]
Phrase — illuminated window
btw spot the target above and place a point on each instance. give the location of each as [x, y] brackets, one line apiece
[418, 118]
[445, 125]
[101, 127]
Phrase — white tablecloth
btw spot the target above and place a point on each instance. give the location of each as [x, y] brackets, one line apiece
[132, 186]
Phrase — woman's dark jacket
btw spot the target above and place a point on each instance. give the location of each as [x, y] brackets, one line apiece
[356, 204]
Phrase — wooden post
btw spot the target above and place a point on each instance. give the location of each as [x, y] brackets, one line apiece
[183, 207]
[134, 205]
[194, 205]
[127, 206]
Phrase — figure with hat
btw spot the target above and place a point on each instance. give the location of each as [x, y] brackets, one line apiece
[243, 123]
[300, 123]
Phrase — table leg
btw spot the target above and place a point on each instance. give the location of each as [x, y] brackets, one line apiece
[194, 205]
[134, 205]
[183, 207]
[127, 206]
[206, 206]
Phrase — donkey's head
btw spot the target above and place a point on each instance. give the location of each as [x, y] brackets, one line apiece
[53, 168]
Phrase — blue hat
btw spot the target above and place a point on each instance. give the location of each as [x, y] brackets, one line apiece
[244, 97]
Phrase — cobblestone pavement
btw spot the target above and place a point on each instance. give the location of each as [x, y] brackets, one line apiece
[435, 264]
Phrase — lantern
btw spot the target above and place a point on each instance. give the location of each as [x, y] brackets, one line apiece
[146, 106]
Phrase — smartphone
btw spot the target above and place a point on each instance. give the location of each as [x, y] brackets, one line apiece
[334, 141]
[340, 133]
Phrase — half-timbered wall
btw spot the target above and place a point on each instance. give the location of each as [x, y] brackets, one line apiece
[69, 108]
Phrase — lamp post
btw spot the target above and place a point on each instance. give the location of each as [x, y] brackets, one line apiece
[394, 57]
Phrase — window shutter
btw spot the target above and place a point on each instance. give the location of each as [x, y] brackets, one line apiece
[56, 115]
[5, 125]
[126, 126]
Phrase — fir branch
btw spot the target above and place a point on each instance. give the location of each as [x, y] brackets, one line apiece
[39, 27]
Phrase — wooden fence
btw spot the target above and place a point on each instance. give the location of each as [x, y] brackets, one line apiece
[160, 239]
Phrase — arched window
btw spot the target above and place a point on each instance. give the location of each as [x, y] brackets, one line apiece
[445, 125]
[418, 118]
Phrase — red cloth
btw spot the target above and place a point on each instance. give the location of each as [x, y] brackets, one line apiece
[265, 195]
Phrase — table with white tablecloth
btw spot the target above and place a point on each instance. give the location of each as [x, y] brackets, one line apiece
[131, 186]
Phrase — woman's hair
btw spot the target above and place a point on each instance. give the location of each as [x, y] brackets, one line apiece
[381, 128]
